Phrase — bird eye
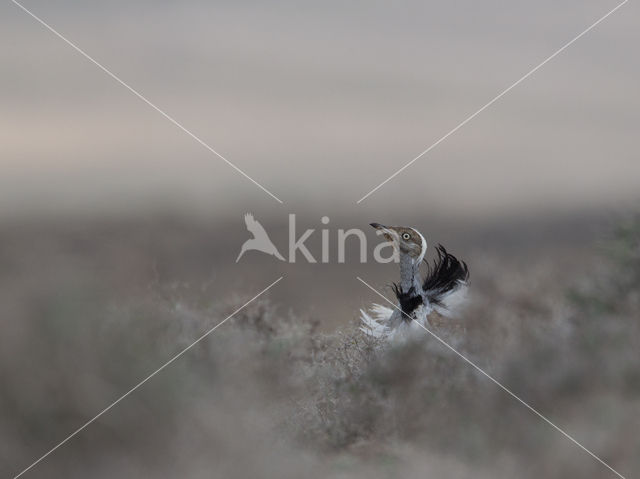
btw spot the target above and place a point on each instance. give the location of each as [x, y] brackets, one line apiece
[406, 236]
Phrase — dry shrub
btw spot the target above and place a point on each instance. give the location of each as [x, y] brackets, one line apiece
[267, 395]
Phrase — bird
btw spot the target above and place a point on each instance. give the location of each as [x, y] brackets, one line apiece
[440, 290]
[260, 240]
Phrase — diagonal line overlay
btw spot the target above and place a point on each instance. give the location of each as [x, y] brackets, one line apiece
[105, 410]
[143, 98]
[495, 381]
[496, 98]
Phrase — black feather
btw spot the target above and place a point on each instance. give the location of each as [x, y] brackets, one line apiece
[445, 275]
[409, 301]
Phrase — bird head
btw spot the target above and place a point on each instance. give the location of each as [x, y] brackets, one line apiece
[407, 241]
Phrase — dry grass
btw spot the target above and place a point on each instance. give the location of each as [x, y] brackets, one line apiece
[268, 395]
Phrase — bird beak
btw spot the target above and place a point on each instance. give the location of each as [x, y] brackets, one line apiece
[386, 231]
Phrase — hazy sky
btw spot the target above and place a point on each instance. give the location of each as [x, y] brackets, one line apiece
[319, 102]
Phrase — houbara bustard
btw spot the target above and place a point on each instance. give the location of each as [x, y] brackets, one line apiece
[442, 288]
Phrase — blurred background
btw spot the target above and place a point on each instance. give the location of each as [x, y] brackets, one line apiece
[119, 234]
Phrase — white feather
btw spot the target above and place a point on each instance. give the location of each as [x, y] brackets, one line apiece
[374, 323]
[424, 246]
[451, 302]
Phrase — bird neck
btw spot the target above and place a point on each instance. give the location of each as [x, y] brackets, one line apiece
[409, 277]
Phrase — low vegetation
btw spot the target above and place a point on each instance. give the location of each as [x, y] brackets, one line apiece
[268, 395]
